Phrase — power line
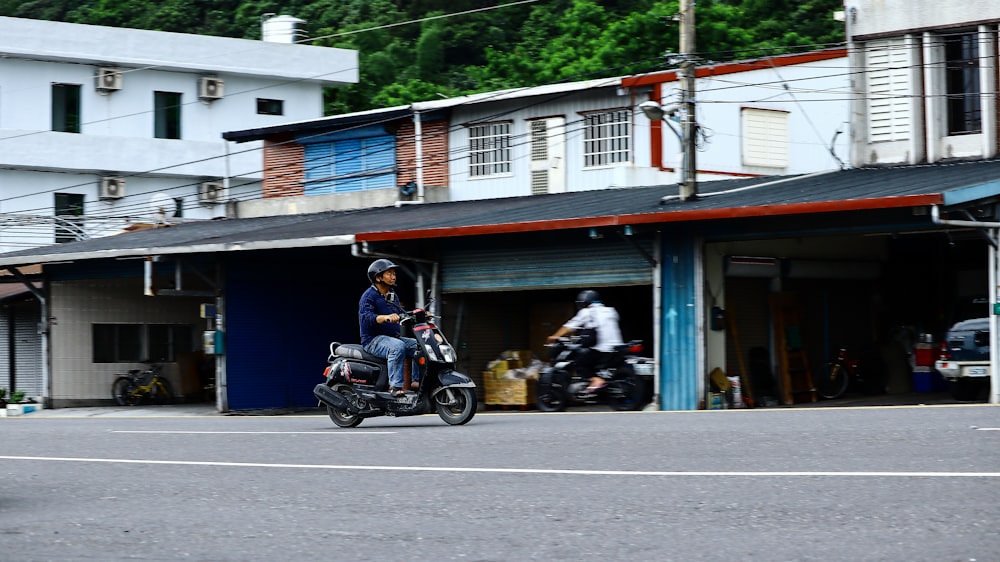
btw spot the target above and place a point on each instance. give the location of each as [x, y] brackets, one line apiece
[248, 150]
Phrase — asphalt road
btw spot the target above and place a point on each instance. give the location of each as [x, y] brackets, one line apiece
[913, 483]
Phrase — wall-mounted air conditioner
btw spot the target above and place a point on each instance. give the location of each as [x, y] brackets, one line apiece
[112, 188]
[211, 193]
[108, 79]
[210, 88]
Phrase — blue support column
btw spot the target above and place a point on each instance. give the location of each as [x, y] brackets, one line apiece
[679, 340]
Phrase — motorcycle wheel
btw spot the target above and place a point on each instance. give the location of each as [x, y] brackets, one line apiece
[625, 391]
[459, 410]
[122, 389]
[162, 392]
[551, 396]
[342, 418]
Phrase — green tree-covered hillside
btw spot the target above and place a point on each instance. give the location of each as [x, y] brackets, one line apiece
[414, 50]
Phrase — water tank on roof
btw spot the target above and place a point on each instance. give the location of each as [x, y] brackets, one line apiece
[281, 29]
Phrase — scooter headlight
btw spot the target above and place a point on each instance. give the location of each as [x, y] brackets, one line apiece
[429, 352]
[448, 353]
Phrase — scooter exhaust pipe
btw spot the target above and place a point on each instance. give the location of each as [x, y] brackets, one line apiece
[326, 395]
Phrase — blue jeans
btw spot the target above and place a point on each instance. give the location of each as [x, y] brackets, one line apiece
[394, 350]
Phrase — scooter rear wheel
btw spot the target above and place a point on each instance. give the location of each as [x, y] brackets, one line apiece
[342, 418]
[625, 391]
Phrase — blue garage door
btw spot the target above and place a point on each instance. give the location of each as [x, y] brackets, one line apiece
[280, 319]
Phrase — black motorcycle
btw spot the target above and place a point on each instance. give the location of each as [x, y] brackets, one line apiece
[357, 382]
[560, 384]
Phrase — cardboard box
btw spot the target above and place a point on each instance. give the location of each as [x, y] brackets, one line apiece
[508, 392]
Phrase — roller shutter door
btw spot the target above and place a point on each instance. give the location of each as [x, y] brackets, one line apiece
[602, 263]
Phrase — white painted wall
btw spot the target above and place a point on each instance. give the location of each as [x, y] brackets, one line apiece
[815, 96]
[918, 25]
[817, 101]
[867, 17]
[76, 305]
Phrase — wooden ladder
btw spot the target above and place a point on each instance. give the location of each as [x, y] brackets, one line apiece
[793, 363]
[746, 388]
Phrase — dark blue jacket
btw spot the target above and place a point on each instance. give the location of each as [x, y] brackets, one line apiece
[374, 304]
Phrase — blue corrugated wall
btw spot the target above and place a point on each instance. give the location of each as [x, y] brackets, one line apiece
[678, 330]
[281, 314]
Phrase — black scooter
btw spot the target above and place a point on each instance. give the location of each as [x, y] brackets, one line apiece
[357, 382]
[560, 384]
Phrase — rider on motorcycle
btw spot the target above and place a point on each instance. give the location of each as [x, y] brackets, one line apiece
[378, 315]
[591, 318]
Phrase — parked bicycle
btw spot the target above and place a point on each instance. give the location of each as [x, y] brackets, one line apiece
[839, 375]
[141, 387]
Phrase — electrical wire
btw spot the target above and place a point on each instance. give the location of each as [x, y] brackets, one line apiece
[190, 184]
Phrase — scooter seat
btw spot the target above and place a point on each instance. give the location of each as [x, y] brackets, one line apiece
[356, 351]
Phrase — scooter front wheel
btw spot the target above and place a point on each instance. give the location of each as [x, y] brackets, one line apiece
[456, 406]
[551, 396]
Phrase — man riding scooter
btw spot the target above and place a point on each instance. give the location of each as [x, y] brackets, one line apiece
[378, 316]
[598, 324]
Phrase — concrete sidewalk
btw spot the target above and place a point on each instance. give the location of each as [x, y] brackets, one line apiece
[209, 409]
[171, 410]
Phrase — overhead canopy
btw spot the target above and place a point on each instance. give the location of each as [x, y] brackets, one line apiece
[862, 189]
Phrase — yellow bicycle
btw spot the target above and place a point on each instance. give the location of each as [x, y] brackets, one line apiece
[140, 387]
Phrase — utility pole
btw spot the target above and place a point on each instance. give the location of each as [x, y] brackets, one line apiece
[689, 128]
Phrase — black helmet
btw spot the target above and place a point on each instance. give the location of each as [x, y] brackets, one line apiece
[585, 298]
[378, 267]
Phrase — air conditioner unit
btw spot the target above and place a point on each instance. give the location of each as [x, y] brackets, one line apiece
[210, 88]
[210, 193]
[112, 188]
[108, 79]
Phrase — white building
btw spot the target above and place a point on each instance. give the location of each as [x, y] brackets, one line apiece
[926, 85]
[102, 128]
[775, 116]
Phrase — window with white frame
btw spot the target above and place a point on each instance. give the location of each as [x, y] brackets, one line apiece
[964, 114]
[764, 137]
[888, 68]
[489, 149]
[606, 137]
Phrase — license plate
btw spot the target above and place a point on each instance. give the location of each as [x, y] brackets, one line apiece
[978, 371]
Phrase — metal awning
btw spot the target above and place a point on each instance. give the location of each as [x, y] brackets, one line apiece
[849, 192]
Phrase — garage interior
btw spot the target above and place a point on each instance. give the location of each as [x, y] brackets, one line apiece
[878, 295]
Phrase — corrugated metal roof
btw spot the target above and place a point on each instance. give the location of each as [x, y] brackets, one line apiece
[856, 189]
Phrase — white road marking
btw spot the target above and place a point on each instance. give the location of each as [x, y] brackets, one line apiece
[988, 429]
[257, 432]
[519, 470]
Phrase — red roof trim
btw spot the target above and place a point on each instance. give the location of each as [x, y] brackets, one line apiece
[734, 67]
[659, 217]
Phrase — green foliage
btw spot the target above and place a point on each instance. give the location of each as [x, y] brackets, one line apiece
[16, 397]
[527, 44]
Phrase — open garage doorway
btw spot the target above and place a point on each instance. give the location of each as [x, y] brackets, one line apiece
[482, 325]
[882, 297]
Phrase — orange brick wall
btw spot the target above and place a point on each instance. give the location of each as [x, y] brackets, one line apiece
[435, 152]
[283, 168]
